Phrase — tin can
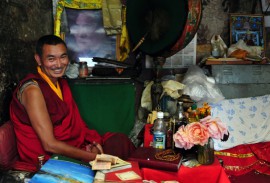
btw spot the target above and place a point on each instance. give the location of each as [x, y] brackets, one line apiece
[83, 69]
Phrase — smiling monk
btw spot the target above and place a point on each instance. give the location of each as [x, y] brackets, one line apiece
[46, 118]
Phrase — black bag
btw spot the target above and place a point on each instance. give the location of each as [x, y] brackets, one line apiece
[7, 178]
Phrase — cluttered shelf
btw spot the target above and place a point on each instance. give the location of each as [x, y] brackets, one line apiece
[229, 61]
[232, 61]
[101, 80]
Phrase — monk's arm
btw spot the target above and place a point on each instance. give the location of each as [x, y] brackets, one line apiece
[34, 103]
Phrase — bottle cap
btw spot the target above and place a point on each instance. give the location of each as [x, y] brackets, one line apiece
[160, 114]
[194, 106]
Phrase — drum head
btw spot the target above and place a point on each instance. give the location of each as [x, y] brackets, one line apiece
[190, 30]
[159, 22]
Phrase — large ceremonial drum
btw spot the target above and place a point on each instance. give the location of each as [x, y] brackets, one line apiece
[165, 27]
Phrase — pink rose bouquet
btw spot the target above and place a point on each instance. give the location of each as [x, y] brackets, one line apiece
[198, 133]
[216, 128]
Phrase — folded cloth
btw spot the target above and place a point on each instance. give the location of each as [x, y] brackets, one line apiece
[112, 12]
[247, 120]
[170, 87]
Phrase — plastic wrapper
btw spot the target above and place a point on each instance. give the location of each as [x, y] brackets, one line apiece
[218, 43]
[72, 71]
[201, 88]
[241, 47]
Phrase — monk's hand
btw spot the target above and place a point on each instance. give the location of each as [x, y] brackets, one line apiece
[94, 148]
[98, 147]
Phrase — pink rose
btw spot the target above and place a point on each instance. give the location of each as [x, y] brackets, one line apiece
[181, 139]
[197, 133]
[216, 128]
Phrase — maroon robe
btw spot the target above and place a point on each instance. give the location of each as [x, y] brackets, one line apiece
[68, 127]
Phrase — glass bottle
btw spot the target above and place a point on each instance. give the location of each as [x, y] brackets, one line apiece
[192, 114]
[169, 135]
[179, 118]
[40, 161]
[159, 132]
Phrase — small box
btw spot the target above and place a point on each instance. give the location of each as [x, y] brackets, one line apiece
[148, 136]
[146, 158]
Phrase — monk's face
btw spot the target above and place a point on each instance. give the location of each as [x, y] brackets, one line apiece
[54, 61]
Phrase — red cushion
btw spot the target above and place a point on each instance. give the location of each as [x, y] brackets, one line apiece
[8, 146]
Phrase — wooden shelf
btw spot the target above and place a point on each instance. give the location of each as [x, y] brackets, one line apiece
[227, 61]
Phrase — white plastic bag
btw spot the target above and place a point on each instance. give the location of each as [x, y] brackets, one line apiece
[201, 88]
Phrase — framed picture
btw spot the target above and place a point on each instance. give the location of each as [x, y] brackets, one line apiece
[86, 37]
[80, 24]
[265, 7]
[249, 28]
[267, 42]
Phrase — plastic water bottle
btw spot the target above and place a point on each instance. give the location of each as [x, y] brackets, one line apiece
[159, 137]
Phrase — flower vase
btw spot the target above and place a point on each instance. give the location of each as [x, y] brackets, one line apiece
[206, 153]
